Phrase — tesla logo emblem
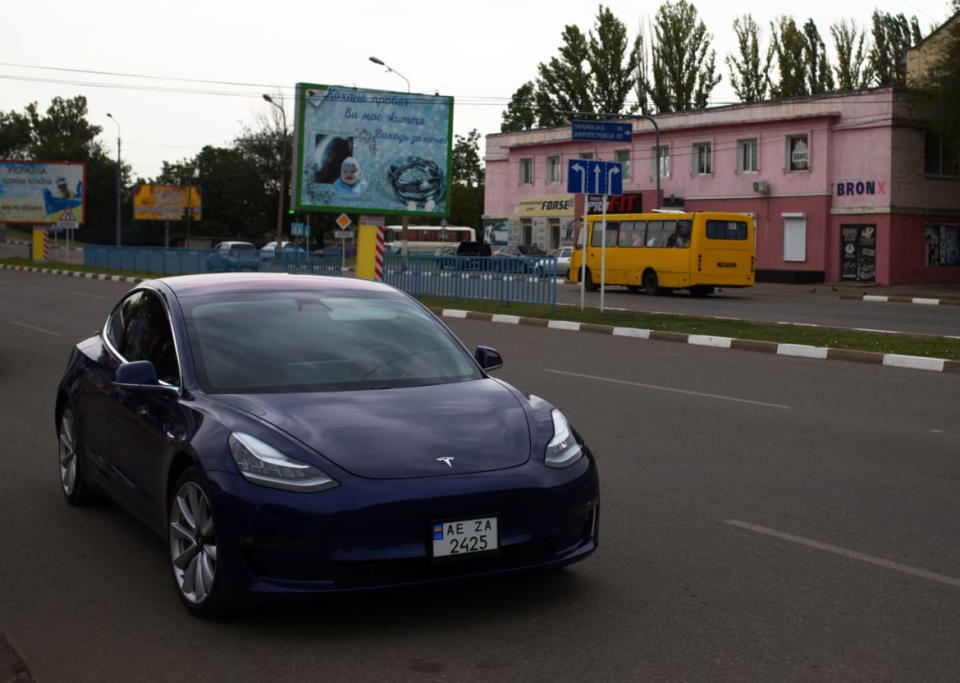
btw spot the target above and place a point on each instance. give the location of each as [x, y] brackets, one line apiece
[447, 460]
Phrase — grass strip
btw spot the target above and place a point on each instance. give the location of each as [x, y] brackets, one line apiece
[931, 347]
[63, 265]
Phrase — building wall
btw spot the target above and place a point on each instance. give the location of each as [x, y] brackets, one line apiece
[922, 57]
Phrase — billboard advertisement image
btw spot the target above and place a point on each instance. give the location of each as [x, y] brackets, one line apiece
[372, 151]
[42, 192]
[165, 202]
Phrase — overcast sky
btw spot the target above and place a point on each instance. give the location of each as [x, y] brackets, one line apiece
[478, 52]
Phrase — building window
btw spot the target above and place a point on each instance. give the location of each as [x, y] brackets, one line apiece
[526, 231]
[623, 156]
[664, 161]
[586, 155]
[943, 244]
[526, 171]
[939, 158]
[747, 156]
[701, 158]
[798, 153]
[553, 170]
[794, 237]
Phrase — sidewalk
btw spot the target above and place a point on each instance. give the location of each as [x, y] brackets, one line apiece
[945, 292]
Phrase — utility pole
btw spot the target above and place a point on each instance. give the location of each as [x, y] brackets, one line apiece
[119, 183]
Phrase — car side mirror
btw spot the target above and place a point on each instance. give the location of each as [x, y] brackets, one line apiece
[138, 373]
[489, 359]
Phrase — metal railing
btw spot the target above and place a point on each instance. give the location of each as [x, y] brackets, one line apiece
[498, 278]
[177, 261]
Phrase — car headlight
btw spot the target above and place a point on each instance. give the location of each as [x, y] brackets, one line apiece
[563, 449]
[263, 464]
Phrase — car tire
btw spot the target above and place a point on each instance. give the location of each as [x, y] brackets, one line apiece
[588, 283]
[73, 479]
[192, 542]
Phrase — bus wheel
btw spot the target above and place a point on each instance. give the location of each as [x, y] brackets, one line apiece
[650, 282]
[701, 290]
[588, 283]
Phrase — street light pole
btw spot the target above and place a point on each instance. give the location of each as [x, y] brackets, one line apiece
[278, 250]
[391, 70]
[119, 180]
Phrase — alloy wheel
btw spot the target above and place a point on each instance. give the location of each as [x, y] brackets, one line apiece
[68, 452]
[193, 545]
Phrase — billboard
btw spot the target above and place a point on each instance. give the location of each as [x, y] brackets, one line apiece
[41, 192]
[165, 202]
[372, 151]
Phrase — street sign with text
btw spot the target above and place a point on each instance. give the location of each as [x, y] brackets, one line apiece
[601, 131]
[587, 176]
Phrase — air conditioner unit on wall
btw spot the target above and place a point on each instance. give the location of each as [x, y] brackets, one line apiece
[761, 186]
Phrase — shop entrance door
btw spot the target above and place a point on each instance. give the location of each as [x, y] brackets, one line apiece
[858, 253]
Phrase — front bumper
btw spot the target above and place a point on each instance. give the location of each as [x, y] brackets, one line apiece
[368, 534]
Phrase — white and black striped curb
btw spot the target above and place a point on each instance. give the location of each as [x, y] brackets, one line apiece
[796, 350]
[73, 273]
[899, 299]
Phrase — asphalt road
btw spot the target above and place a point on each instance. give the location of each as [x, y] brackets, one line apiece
[764, 518]
[807, 304]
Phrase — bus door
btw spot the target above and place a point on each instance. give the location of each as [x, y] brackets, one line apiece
[725, 256]
[670, 260]
[594, 248]
[630, 243]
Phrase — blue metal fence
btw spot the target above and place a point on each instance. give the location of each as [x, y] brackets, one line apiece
[517, 279]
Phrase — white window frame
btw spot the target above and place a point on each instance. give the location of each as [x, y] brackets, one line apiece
[528, 164]
[696, 168]
[623, 156]
[788, 161]
[554, 173]
[664, 161]
[742, 157]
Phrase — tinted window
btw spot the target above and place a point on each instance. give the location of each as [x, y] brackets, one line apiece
[727, 230]
[147, 335]
[684, 230]
[661, 233]
[613, 227]
[248, 342]
[632, 233]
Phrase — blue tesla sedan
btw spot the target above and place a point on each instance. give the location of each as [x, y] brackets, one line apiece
[291, 434]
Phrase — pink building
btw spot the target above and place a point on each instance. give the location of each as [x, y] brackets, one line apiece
[842, 187]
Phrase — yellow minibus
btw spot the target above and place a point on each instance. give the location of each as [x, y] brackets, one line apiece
[663, 251]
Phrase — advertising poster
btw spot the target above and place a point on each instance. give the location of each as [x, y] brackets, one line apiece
[42, 192]
[372, 151]
[165, 202]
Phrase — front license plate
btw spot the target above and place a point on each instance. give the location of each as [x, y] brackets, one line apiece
[464, 536]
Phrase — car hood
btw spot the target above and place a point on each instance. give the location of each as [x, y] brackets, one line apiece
[403, 432]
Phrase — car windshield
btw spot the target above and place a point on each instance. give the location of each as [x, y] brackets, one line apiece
[242, 248]
[297, 341]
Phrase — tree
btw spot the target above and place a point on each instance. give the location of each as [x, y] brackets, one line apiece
[14, 135]
[466, 202]
[611, 66]
[789, 46]
[563, 84]
[819, 74]
[683, 65]
[521, 113]
[749, 74]
[892, 37]
[852, 70]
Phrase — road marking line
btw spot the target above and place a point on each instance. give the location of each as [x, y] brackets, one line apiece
[88, 296]
[35, 328]
[913, 362]
[670, 389]
[843, 552]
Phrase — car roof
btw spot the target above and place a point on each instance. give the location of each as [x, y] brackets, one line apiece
[215, 283]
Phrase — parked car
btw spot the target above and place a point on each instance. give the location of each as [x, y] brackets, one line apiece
[559, 264]
[227, 256]
[514, 258]
[280, 433]
[287, 248]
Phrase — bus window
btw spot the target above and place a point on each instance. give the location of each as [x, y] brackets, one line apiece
[657, 234]
[684, 230]
[612, 229]
[726, 230]
[631, 234]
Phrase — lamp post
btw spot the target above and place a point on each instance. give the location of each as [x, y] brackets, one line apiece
[278, 249]
[119, 179]
[391, 70]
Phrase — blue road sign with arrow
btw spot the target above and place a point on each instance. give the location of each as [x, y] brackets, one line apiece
[587, 176]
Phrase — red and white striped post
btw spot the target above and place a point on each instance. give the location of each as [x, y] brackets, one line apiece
[378, 265]
[46, 246]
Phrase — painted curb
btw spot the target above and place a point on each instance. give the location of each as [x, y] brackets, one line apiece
[893, 360]
[897, 299]
[793, 350]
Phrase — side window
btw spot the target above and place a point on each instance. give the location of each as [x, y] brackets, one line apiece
[684, 230]
[656, 235]
[726, 230]
[612, 228]
[631, 234]
[147, 335]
